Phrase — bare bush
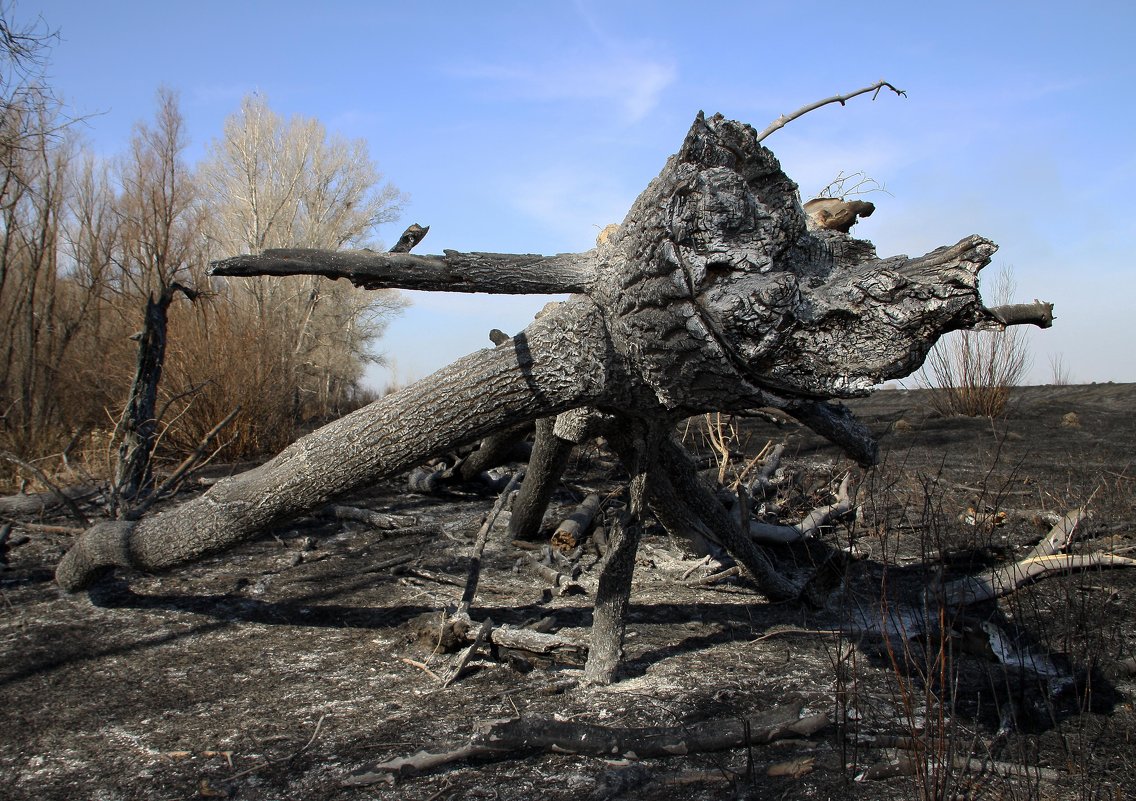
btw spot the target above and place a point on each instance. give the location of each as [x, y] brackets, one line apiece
[1059, 375]
[972, 372]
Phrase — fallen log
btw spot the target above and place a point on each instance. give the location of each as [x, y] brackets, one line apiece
[39, 503]
[372, 518]
[572, 530]
[520, 736]
[1042, 560]
[810, 523]
[1007, 579]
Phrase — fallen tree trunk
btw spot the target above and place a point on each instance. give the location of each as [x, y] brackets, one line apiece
[713, 295]
[38, 503]
[384, 438]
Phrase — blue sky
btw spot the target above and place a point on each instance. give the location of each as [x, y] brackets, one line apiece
[528, 126]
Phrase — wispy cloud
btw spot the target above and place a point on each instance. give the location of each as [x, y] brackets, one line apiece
[631, 85]
[572, 201]
[624, 73]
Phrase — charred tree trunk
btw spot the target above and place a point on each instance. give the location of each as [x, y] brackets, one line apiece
[133, 473]
[609, 619]
[714, 295]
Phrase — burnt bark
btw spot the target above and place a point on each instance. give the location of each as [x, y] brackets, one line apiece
[612, 599]
[451, 272]
[550, 456]
[713, 295]
[138, 431]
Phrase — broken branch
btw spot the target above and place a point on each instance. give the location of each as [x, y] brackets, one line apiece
[496, 273]
[785, 119]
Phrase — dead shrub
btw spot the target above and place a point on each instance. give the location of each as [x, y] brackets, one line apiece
[971, 373]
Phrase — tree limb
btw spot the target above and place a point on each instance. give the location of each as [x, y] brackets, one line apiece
[785, 119]
[479, 542]
[1043, 559]
[495, 273]
[784, 534]
[1036, 313]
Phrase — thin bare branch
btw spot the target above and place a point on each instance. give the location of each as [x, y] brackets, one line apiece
[785, 119]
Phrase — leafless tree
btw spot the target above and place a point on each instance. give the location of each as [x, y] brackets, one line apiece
[271, 182]
[159, 240]
[33, 178]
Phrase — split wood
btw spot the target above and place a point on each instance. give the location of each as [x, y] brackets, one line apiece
[571, 532]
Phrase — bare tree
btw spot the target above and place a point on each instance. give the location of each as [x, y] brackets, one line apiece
[23, 53]
[271, 182]
[44, 312]
[34, 164]
[159, 237]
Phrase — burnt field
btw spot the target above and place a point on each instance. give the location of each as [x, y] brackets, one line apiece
[295, 666]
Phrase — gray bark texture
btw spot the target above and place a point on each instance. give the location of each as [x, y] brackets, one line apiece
[550, 456]
[609, 618]
[713, 295]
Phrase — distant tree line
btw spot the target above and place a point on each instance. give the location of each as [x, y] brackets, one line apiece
[85, 241]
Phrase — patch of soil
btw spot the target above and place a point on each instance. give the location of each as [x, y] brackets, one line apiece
[277, 670]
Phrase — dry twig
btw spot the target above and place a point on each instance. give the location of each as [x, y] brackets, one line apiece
[480, 541]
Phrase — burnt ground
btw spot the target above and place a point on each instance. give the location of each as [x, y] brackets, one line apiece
[278, 670]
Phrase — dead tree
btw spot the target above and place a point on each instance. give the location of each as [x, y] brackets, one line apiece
[713, 295]
[133, 474]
